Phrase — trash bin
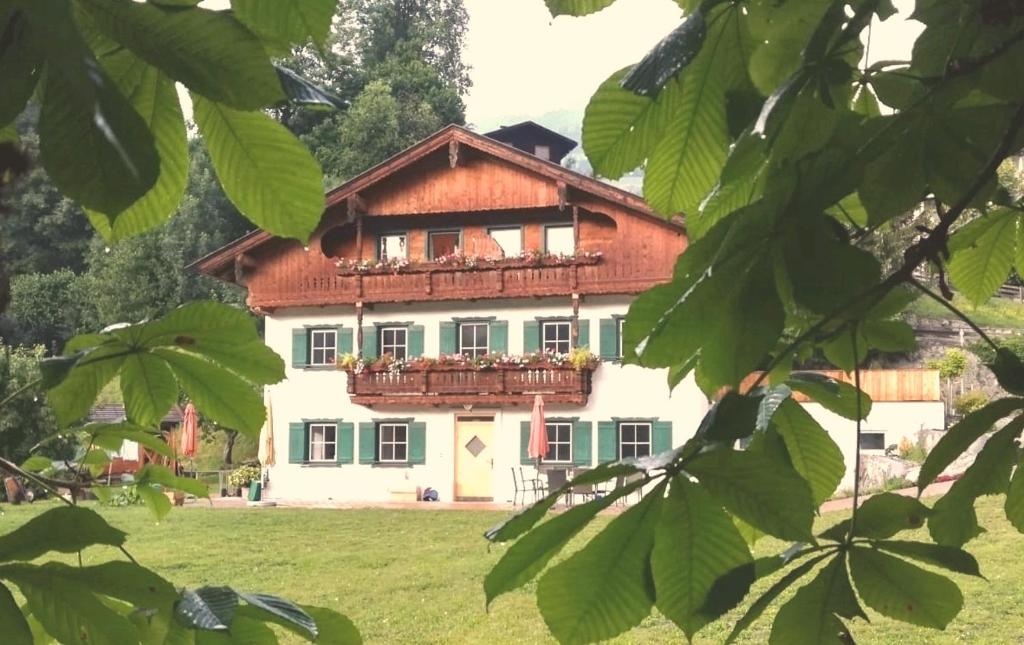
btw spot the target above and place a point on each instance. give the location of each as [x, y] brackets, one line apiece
[255, 491]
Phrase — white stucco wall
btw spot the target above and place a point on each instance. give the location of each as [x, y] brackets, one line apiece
[895, 419]
[618, 391]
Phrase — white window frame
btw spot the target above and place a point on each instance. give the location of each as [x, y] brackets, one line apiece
[323, 346]
[430, 240]
[553, 444]
[474, 351]
[544, 324]
[403, 245]
[865, 433]
[562, 227]
[635, 443]
[542, 151]
[324, 428]
[381, 333]
[393, 443]
[519, 239]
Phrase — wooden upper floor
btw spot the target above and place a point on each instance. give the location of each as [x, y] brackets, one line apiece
[459, 216]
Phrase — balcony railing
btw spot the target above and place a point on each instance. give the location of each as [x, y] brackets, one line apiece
[448, 385]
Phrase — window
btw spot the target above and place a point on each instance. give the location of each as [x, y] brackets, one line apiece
[558, 240]
[559, 441]
[509, 239]
[323, 345]
[544, 152]
[872, 441]
[556, 336]
[394, 341]
[392, 246]
[323, 443]
[394, 441]
[443, 243]
[634, 439]
[473, 339]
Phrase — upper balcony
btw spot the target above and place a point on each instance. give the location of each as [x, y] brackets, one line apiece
[433, 384]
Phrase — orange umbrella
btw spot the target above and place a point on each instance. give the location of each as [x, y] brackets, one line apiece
[189, 431]
[538, 446]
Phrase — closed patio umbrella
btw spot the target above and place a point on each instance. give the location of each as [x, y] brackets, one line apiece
[537, 448]
[265, 452]
[189, 431]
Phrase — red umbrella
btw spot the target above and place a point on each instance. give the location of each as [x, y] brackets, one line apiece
[538, 446]
[189, 431]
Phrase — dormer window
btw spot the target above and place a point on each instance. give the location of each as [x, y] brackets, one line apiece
[443, 243]
[392, 246]
[544, 152]
[558, 240]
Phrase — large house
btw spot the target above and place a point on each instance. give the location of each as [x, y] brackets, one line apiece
[442, 291]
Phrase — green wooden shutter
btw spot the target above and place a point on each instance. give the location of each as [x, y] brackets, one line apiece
[300, 347]
[609, 338]
[417, 442]
[524, 443]
[298, 443]
[415, 341]
[369, 342]
[583, 337]
[582, 442]
[607, 442]
[498, 337]
[531, 336]
[367, 442]
[346, 439]
[447, 340]
[661, 441]
[344, 340]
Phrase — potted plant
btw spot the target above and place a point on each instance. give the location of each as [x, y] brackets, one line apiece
[241, 477]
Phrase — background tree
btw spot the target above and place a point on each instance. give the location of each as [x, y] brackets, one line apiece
[27, 419]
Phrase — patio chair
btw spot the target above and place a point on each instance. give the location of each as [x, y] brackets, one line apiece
[556, 479]
[518, 489]
[532, 484]
[584, 490]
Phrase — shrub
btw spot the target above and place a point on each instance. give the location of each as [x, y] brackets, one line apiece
[951, 365]
[243, 476]
[970, 401]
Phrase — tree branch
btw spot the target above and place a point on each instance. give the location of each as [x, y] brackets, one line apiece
[856, 459]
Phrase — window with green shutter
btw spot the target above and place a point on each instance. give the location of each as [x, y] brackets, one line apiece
[447, 341]
[581, 443]
[298, 443]
[607, 442]
[608, 329]
[531, 336]
[346, 442]
[300, 347]
[499, 337]
[417, 442]
[344, 340]
[524, 443]
[369, 348]
[415, 341]
[583, 335]
[367, 442]
[662, 439]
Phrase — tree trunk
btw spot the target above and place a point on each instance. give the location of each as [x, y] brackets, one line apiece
[229, 445]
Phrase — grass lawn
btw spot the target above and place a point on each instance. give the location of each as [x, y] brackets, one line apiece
[415, 576]
[996, 312]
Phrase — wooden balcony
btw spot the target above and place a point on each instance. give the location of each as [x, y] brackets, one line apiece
[457, 385]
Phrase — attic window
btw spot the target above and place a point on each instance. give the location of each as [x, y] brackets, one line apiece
[332, 242]
[544, 152]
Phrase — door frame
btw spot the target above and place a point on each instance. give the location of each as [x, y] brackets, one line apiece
[467, 416]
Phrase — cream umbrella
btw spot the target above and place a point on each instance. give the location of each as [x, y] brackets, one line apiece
[266, 446]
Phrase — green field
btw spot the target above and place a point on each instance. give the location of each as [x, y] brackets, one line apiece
[415, 576]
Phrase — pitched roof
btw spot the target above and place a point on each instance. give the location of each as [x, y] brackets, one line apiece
[114, 413]
[218, 260]
[529, 132]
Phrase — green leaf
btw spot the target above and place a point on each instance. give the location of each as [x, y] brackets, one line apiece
[833, 395]
[1014, 506]
[218, 393]
[527, 557]
[1008, 370]
[900, 590]
[958, 438]
[74, 396]
[811, 450]
[111, 437]
[125, 581]
[155, 500]
[283, 612]
[67, 609]
[333, 627]
[889, 335]
[576, 7]
[684, 167]
[741, 182]
[982, 254]
[826, 271]
[56, 368]
[774, 398]
[620, 128]
[886, 514]
[207, 608]
[755, 488]
[733, 417]
[810, 615]
[253, 360]
[19, 64]
[839, 350]
[265, 171]
[36, 463]
[156, 474]
[16, 629]
[48, 532]
[758, 606]
[695, 544]
[287, 22]
[148, 388]
[604, 588]
[670, 55]
[94, 145]
[211, 52]
[155, 98]
[947, 557]
[306, 93]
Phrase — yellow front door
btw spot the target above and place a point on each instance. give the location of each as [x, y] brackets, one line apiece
[474, 458]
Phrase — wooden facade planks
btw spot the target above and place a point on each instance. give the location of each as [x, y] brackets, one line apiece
[885, 385]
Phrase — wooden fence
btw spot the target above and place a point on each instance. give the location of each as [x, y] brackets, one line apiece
[883, 385]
